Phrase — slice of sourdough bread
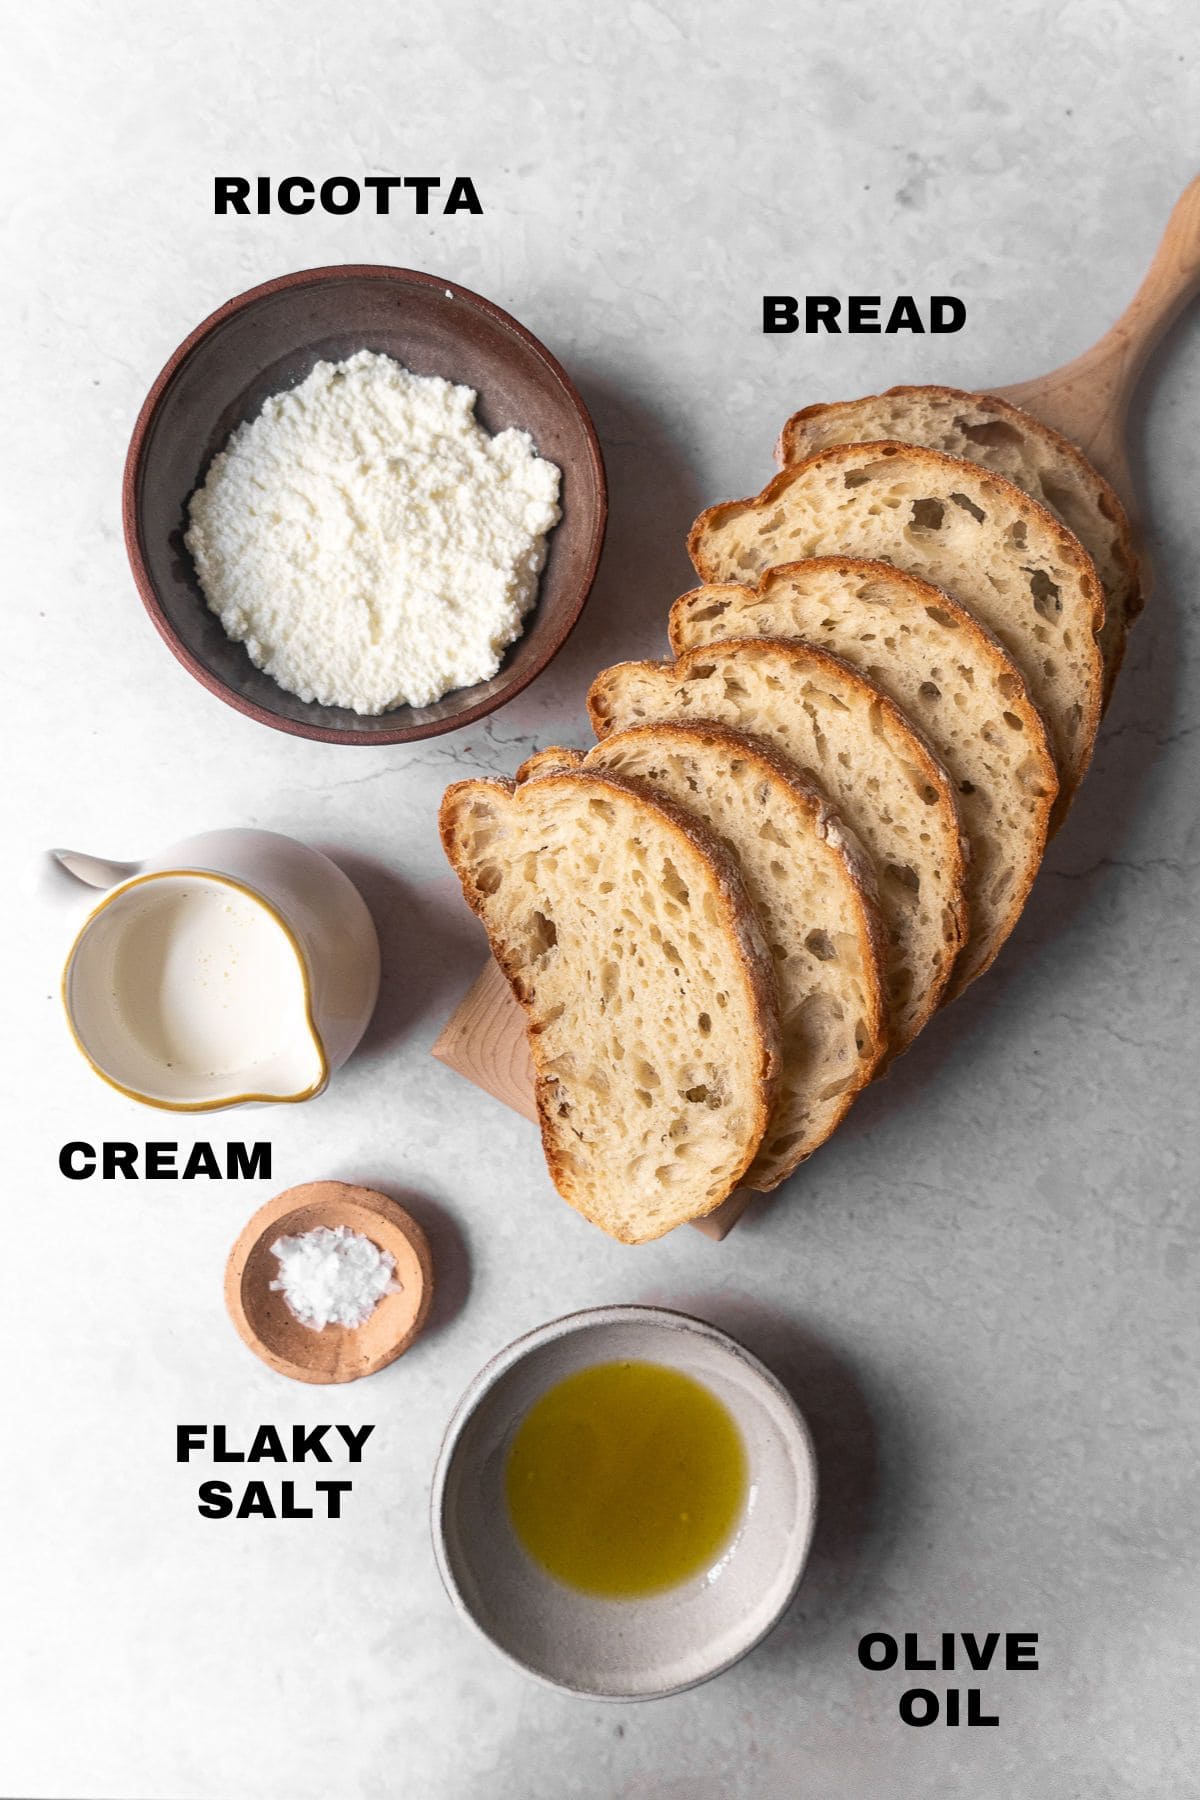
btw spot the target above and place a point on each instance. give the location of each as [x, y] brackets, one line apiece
[1012, 443]
[950, 676]
[625, 932]
[868, 759]
[972, 533]
[813, 888]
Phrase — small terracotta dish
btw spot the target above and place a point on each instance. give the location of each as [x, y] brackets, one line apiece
[626, 1649]
[270, 339]
[337, 1353]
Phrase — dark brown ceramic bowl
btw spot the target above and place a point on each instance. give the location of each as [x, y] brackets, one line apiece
[270, 339]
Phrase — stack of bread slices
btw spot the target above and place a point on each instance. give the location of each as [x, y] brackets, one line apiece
[819, 822]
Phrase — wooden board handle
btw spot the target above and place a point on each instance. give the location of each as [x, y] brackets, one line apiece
[1087, 399]
[1172, 279]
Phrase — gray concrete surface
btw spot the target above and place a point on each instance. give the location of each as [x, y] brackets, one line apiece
[983, 1291]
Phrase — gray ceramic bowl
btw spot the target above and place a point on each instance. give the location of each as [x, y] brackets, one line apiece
[269, 339]
[622, 1649]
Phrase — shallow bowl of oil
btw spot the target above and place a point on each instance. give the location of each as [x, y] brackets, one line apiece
[655, 1644]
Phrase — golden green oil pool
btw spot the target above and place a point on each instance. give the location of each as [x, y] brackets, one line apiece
[626, 1478]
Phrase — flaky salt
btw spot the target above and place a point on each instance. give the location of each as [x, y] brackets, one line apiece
[333, 1276]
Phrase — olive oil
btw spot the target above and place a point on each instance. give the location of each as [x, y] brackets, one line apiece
[626, 1478]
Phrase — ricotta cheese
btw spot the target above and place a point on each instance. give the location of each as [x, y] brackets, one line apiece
[368, 541]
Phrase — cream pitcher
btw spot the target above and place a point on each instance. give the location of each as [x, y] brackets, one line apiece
[234, 968]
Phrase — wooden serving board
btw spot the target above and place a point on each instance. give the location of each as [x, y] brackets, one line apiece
[1088, 400]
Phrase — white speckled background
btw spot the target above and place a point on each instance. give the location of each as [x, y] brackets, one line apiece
[983, 1291]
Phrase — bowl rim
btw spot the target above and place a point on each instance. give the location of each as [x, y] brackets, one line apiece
[564, 1326]
[131, 519]
[346, 1199]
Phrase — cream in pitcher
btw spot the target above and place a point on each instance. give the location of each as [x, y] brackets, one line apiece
[235, 967]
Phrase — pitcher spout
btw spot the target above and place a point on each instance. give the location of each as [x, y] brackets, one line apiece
[93, 871]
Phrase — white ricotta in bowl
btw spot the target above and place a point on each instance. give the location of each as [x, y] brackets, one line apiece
[368, 541]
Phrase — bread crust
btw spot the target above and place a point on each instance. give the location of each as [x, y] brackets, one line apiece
[555, 759]
[827, 824]
[987, 648]
[809, 659]
[945, 470]
[793, 446]
[744, 933]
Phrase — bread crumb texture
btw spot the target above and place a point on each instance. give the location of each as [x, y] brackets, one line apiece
[992, 547]
[952, 678]
[813, 890]
[628, 938]
[986, 430]
[876, 770]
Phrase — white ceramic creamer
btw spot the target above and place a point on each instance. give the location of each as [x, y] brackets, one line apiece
[234, 968]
